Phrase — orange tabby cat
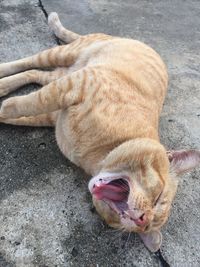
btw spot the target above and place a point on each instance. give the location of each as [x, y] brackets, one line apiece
[104, 98]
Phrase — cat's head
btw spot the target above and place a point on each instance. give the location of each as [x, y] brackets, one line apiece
[136, 185]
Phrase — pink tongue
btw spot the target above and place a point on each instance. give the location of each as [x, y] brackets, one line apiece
[110, 192]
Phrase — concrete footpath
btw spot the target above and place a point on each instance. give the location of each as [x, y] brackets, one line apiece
[46, 217]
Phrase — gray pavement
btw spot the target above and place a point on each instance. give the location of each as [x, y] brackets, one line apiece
[46, 218]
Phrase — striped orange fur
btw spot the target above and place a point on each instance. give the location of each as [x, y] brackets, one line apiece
[104, 98]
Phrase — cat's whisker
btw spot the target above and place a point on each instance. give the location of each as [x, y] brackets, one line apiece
[125, 188]
[113, 230]
[123, 184]
[126, 242]
[113, 239]
[125, 212]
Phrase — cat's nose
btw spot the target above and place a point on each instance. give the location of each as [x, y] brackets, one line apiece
[141, 221]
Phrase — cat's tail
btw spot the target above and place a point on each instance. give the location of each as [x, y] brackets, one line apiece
[62, 33]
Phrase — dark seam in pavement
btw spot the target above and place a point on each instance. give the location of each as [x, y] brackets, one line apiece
[159, 256]
[41, 6]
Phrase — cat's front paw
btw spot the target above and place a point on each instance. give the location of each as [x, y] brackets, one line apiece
[4, 86]
[9, 108]
[5, 69]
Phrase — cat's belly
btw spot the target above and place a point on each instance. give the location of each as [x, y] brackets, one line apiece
[64, 138]
[77, 144]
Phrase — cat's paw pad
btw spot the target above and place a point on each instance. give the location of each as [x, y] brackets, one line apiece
[9, 108]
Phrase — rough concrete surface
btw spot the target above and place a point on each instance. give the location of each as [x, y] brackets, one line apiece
[45, 209]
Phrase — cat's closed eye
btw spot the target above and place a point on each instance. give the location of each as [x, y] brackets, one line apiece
[158, 198]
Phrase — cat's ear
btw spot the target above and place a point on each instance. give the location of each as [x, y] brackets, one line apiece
[183, 160]
[152, 240]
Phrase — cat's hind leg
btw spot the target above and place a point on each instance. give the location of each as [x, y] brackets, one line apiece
[11, 83]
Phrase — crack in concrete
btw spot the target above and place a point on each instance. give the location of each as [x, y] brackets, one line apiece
[40, 4]
[44, 11]
[160, 258]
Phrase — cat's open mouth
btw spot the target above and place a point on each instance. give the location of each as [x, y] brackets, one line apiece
[114, 192]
